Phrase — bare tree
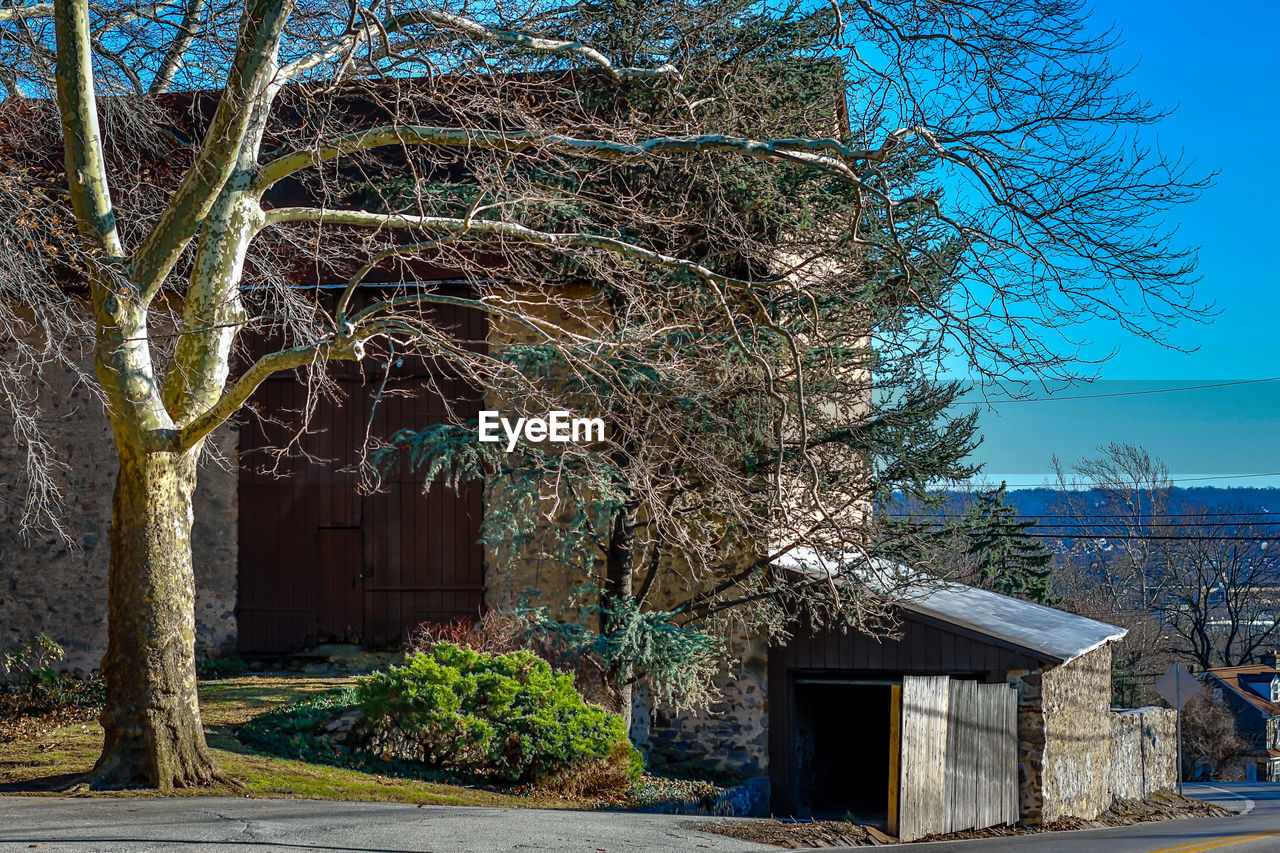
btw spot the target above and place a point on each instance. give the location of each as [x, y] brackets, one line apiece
[523, 139]
[1188, 582]
[1209, 738]
[1222, 577]
[1115, 503]
[1112, 567]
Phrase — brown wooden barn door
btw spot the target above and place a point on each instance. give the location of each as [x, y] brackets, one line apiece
[321, 561]
[340, 605]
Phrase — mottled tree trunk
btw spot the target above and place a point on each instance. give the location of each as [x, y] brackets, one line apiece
[620, 565]
[154, 737]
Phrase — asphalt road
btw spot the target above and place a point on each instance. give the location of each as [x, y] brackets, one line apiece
[217, 824]
[221, 824]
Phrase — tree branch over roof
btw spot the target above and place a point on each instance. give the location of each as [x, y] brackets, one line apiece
[474, 30]
[507, 232]
[35, 10]
[251, 74]
[829, 155]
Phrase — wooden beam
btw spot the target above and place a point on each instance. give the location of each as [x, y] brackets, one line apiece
[895, 755]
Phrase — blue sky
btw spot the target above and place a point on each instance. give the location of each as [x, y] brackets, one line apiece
[1219, 66]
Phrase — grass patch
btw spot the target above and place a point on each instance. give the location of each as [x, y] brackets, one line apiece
[46, 762]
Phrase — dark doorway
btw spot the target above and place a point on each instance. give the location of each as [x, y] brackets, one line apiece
[843, 750]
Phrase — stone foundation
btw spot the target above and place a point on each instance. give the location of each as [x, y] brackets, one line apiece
[732, 736]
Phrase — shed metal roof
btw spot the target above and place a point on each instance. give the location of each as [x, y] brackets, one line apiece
[1048, 633]
[1052, 635]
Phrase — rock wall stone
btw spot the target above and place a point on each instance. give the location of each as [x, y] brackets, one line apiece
[1075, 755]
[732, 735]
[1076, 700]
[1144, 753]
[50, 587]
[1031, 741]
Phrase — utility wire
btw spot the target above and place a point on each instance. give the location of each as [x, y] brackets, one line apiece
[1128, 537]
[1051, 399]
[1084, 525]
[1074, 516]
[1172, 481]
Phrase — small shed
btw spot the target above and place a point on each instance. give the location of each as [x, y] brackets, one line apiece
[945, 726]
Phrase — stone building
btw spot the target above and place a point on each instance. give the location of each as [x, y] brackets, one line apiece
[353, 568]
[293, 556]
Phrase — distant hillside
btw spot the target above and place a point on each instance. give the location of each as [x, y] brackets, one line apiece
[1041, 502]
[1034, 502]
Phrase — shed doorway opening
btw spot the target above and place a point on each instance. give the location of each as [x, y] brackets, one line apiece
[844, 744]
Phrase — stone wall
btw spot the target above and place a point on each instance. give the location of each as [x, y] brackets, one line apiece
[1144, 753]
[1076, 699]
[731, 736]
[1076, 756]
[48, 587]
[1031, 740]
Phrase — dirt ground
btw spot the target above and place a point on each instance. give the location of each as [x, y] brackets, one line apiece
[829, 833]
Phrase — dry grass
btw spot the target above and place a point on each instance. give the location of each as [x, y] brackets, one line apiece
[47, 763]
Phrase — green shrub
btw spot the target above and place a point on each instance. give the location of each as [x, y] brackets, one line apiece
[506, 718]
[35, 687]
[211, 669]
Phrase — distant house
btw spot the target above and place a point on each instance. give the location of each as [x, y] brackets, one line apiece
[1252, 694]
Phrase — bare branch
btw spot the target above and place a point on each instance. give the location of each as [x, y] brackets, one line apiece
[827, 154]
[251, 75]
[478, 31]
[349, 349]
[505, 231]
[86, 167]
[35, 10]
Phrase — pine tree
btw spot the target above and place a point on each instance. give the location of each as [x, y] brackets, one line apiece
[1008, 560]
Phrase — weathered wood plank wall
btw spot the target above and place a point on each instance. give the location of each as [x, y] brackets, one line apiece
[922, 786]
[974, 727]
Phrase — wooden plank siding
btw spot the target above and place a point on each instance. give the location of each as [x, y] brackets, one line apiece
[963, 755]
[319, 561]
[923, 785]
[973, 727]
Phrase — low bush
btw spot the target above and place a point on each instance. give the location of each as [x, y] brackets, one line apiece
[34, 697]
[212, 669]
[506, 718]
[497, 632]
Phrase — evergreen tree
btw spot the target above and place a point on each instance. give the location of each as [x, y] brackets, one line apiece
[1008, 560]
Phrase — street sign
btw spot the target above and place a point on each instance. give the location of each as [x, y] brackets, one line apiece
[1178, 687]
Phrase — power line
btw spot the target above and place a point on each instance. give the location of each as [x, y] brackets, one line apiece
[1172, 481]
[1076, 516]
[1084, 525]
[1052, 399]
[1156, 538]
